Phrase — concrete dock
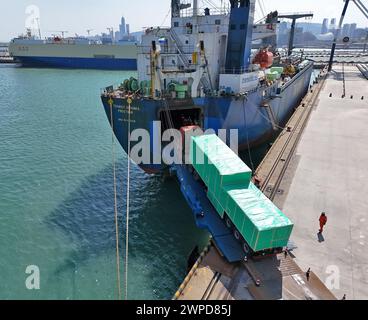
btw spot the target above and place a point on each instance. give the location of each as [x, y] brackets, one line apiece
[327, 174]
[318, 164]
[269, 278]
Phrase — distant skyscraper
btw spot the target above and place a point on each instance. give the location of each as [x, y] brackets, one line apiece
[122, 27]
[360, 34]
[333, 24]
[345, 30]
[128, 29]
[333, 27]
[283, 27]
[324, 26]
[353, 27]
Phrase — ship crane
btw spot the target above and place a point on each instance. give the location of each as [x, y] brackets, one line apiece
[294, 17]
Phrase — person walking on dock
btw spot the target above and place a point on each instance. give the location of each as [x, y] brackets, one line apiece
[308, 274]
[322, 222]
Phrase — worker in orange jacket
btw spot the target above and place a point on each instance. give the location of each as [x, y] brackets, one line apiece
[322, 221]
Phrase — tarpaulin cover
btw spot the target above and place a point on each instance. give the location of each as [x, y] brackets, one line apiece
[217, 164]
[230, 191]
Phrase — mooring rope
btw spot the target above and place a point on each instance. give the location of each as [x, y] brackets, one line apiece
[127, 206]
[115, 204]
[248, 143]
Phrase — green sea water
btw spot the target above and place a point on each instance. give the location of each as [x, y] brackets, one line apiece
[56, 196]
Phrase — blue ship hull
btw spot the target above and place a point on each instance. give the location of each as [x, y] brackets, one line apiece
[249, 116]
[79, 63]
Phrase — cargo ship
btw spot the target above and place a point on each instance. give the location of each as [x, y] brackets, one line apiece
[201, 72]
[79, 53]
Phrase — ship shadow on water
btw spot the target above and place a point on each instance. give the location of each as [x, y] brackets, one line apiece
[162, 229]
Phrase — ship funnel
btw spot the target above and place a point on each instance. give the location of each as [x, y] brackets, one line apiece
[240, 34]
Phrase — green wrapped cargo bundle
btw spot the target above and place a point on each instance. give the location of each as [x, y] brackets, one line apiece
[231, 191]
[279, 70]
[258, 220]
[217, 164]
[272, 76]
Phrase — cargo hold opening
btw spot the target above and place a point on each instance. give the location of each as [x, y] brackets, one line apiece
[181, 118]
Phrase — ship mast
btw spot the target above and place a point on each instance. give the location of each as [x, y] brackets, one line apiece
[195, 8]
[39, 29]
[176, 7]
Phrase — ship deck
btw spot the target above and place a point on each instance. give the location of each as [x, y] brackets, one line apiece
[279, 278]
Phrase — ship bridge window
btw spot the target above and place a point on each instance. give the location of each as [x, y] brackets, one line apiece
[176, 24]
[242, 26]
[218, 22]
[189, 28]
[233, 27]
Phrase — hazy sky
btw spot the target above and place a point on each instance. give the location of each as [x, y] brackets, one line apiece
[77, 16]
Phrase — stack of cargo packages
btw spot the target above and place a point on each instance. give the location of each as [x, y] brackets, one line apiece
[231, 191]
[275, 73]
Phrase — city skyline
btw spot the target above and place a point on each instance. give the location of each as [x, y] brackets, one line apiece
[76, 17]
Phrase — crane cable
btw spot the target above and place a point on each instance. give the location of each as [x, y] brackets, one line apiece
[164, 21]
[115, 203]
[129, 100]
[264, 8]
[261, 8]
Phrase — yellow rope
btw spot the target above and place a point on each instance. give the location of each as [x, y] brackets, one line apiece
[115, 204]
[129, 100]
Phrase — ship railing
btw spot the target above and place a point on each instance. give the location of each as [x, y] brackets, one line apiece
[179, 68]
[166, 50]
[234, 70]
[200, 12]
[115, 92]
[110, 88]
